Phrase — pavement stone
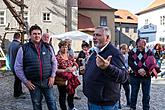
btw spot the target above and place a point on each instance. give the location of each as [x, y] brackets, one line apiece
[8, 102]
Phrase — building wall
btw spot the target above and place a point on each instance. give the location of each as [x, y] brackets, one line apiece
[36, 8]
[126, 37]
[95, 17]
[153, 18]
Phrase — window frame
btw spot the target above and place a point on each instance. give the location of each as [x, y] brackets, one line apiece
[50, 17]
[162, 20]
[27, 16]
[127, 29]
[103, 21]
[4, 16]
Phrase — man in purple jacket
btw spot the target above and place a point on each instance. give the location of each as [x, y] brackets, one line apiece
[104, 72]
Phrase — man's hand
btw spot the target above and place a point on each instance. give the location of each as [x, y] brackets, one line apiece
[30, 85]
[51, 81]
[82, 70]
[142, 72]
[103, 63]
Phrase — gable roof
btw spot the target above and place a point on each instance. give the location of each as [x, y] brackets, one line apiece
[124, 16]
[84, 22]
[94, 4]
[153, 6]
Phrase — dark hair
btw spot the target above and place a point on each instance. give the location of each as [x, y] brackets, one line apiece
[140, 38]
[17, 35]
[159, 46]
[34, 27]
[62, 43]
[84, 44]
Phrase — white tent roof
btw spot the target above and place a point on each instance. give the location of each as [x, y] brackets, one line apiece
[155, 42]
[74, 35]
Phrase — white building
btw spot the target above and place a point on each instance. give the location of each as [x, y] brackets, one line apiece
[50, 15]
[151, 22]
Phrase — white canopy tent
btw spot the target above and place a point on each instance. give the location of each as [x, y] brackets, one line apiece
[74, 35]
[155, 42]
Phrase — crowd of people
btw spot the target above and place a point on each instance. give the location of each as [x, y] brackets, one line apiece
[104, 68]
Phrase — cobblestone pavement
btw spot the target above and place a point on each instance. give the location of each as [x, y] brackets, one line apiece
[8, 102]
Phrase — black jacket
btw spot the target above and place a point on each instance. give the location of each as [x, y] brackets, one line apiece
[102, 86]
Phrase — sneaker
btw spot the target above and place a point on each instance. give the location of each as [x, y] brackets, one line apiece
[76, 97]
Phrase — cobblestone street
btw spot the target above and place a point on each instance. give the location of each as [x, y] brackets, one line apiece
[8, 102]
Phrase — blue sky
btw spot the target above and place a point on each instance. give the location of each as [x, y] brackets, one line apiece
[133, 6]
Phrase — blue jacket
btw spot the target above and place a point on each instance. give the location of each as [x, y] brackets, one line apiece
[12, 52]
[102, 86]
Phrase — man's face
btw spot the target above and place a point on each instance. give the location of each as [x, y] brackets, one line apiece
[99, 38]
[35, 36]
[141, 44]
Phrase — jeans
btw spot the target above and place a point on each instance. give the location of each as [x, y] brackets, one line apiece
[135, 85]
[42, 88]
[126, 87]
[92, 106]
[62, 98]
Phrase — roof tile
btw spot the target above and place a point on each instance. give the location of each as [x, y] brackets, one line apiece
[124, 16]
[93, 4]
[84, 22]
[154, 5]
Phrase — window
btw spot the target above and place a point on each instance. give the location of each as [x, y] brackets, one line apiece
[127, 29]
[135, 29]
[162, 39]
[103, 21]
[146, 21]
[26, 17]
[2, 17]
[129, 17]
[117, 16]
[162, 20]
[46, 17]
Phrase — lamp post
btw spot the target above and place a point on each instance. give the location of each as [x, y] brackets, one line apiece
[120, 29]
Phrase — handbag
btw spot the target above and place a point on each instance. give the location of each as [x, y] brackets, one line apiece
[60, 81]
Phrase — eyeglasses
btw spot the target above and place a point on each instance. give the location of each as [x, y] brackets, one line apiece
[96, 34]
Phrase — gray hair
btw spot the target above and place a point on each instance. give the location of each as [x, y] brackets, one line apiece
[106, 30]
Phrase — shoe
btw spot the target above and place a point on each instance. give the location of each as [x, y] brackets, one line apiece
[119, 106]
[73, 108]
[76, 97]
[128, 105]
[22, 96]
[162, 75]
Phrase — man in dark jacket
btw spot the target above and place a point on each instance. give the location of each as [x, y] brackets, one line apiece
[12, 52]
[104, 72]
[36, 66]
